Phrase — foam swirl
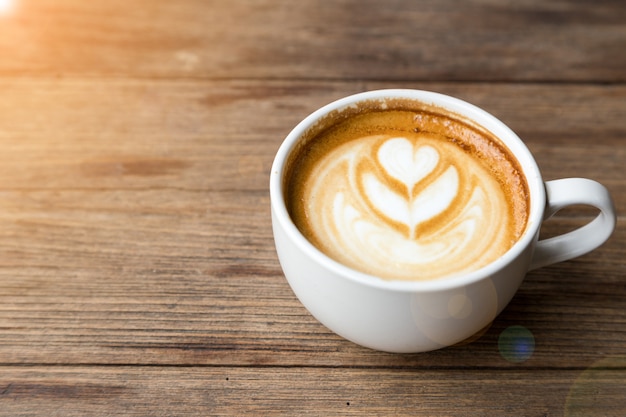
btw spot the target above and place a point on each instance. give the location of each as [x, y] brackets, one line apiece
[406, 207]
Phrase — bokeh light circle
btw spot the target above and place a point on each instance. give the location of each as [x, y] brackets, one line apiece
[516, 344]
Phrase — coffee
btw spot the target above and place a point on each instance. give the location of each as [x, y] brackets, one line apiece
[406, 191]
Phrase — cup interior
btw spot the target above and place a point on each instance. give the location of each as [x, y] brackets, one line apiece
[380, 98]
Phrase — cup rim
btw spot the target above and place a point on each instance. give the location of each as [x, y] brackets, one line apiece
[458, 106]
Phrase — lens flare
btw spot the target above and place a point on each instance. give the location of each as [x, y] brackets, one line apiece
[516, 344]
[596, 389]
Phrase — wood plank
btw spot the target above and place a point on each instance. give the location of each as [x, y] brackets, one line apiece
[208, 135]
[352, 39]
[224, 391]
[119, 277]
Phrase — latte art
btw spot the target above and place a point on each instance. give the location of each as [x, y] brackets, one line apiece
[409, 206]
[409, 166]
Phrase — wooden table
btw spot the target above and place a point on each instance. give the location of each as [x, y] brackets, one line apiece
[137, 269]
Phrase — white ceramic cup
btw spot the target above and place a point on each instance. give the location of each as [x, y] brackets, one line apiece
[400, 316]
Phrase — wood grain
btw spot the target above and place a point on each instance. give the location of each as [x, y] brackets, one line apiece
[120, 246]
[225, 391]
[483, 40]
[208, 135]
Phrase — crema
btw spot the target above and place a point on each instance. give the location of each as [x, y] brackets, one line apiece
[407, 193]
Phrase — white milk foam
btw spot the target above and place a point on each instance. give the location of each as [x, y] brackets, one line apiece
[408, 208]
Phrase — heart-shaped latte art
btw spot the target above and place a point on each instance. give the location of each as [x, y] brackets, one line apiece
[409, 165]
[405, 162]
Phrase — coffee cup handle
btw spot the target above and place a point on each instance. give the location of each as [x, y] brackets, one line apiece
[566, 192]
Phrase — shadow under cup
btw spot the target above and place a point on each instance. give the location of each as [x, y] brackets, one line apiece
[393, 315]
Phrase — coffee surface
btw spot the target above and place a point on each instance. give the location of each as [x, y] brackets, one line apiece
[407, 194]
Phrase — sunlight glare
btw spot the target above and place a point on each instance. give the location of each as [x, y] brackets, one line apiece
[6, 6]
